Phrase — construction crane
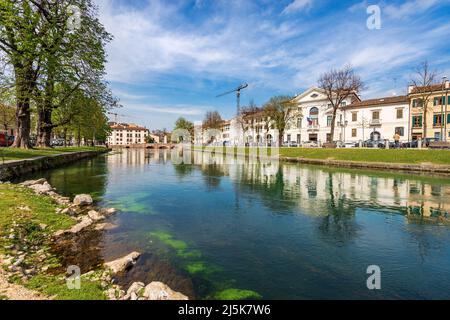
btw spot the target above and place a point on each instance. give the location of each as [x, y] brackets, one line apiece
[116, 116]
[238, 95]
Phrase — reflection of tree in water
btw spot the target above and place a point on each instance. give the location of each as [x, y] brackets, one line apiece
[272, 191]
[212, 175]
[339, 224]
[183, 170]
[86, 176]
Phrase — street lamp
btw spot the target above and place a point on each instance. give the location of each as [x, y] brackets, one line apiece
[443, 119]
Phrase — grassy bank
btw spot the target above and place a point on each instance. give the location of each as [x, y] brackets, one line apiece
[7, 154]
[406, 156]
[27, 222]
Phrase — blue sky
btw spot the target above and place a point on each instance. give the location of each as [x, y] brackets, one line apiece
[171, 58]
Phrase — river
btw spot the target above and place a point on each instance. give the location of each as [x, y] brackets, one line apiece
[283, 231]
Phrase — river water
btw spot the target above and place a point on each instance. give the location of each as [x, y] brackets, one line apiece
[227, 230]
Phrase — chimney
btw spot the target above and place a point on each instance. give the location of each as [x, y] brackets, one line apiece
[410, 89]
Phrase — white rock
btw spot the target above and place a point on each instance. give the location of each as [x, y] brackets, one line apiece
[94, 215]
[108, 212]
[68, 211]
[30, 183]
[124, 263]
[41, 188]
[135, 287]
[86, 222]
[160, 291]
[105, 226]
[83, 200]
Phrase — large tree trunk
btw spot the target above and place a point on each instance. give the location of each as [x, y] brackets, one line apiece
[24, 88]
[333, 125]
[280, 139]
[45, 128]
[425, 124]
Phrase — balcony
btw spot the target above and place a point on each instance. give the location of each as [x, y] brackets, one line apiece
[375, 123]
[313, 127]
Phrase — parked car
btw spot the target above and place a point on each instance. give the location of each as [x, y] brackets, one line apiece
[373, 144]
[348, 145]
[6, 140]
[57, 143]
[310, 144]
[293, 145]
[412, 144]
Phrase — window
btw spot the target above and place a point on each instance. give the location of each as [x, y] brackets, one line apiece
[437, 120]
[438, 101]
[417, 121]
[399, 113]
[314, 112]
[354, 133]
[288, 138]
[376, 115]
[344, 104]
[354, 116]
[400, 131]
[448, 118]
[299, 138]
[299, 123]
[417, 103]
[329, 119]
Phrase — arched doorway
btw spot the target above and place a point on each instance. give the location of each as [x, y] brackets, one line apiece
[375, 136]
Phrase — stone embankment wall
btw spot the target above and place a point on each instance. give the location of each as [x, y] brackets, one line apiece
[14, 169]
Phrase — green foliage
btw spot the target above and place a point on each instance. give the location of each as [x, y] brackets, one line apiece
[372, 155]
[237, 294]
[56, 286]
[20, 154]
[28, 210]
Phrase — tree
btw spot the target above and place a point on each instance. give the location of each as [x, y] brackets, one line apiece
[212, 120]
[244, 113]
[51, 61]
[21, 29]
[183, 124]
[72, 59]
[280, 112]
[422, 81]
[7, 117]
[338, 85]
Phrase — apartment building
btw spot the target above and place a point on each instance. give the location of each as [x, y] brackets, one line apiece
[313, 122]
[123, 134]
[430, 112]
[377, 119]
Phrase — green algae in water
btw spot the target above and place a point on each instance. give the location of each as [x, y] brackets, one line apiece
[167, 239]
[237, 294]
[133, 203]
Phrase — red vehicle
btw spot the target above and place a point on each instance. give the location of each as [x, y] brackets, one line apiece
[5, 140]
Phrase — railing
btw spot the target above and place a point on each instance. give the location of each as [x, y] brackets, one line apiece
[375, 122]
[313, 127]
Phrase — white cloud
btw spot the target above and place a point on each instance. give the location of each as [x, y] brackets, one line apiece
[275, 54]
[410, 8]
[297, 5]
[185, 110]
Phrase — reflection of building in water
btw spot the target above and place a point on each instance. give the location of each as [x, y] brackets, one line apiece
[429, 201]
[316, 191]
